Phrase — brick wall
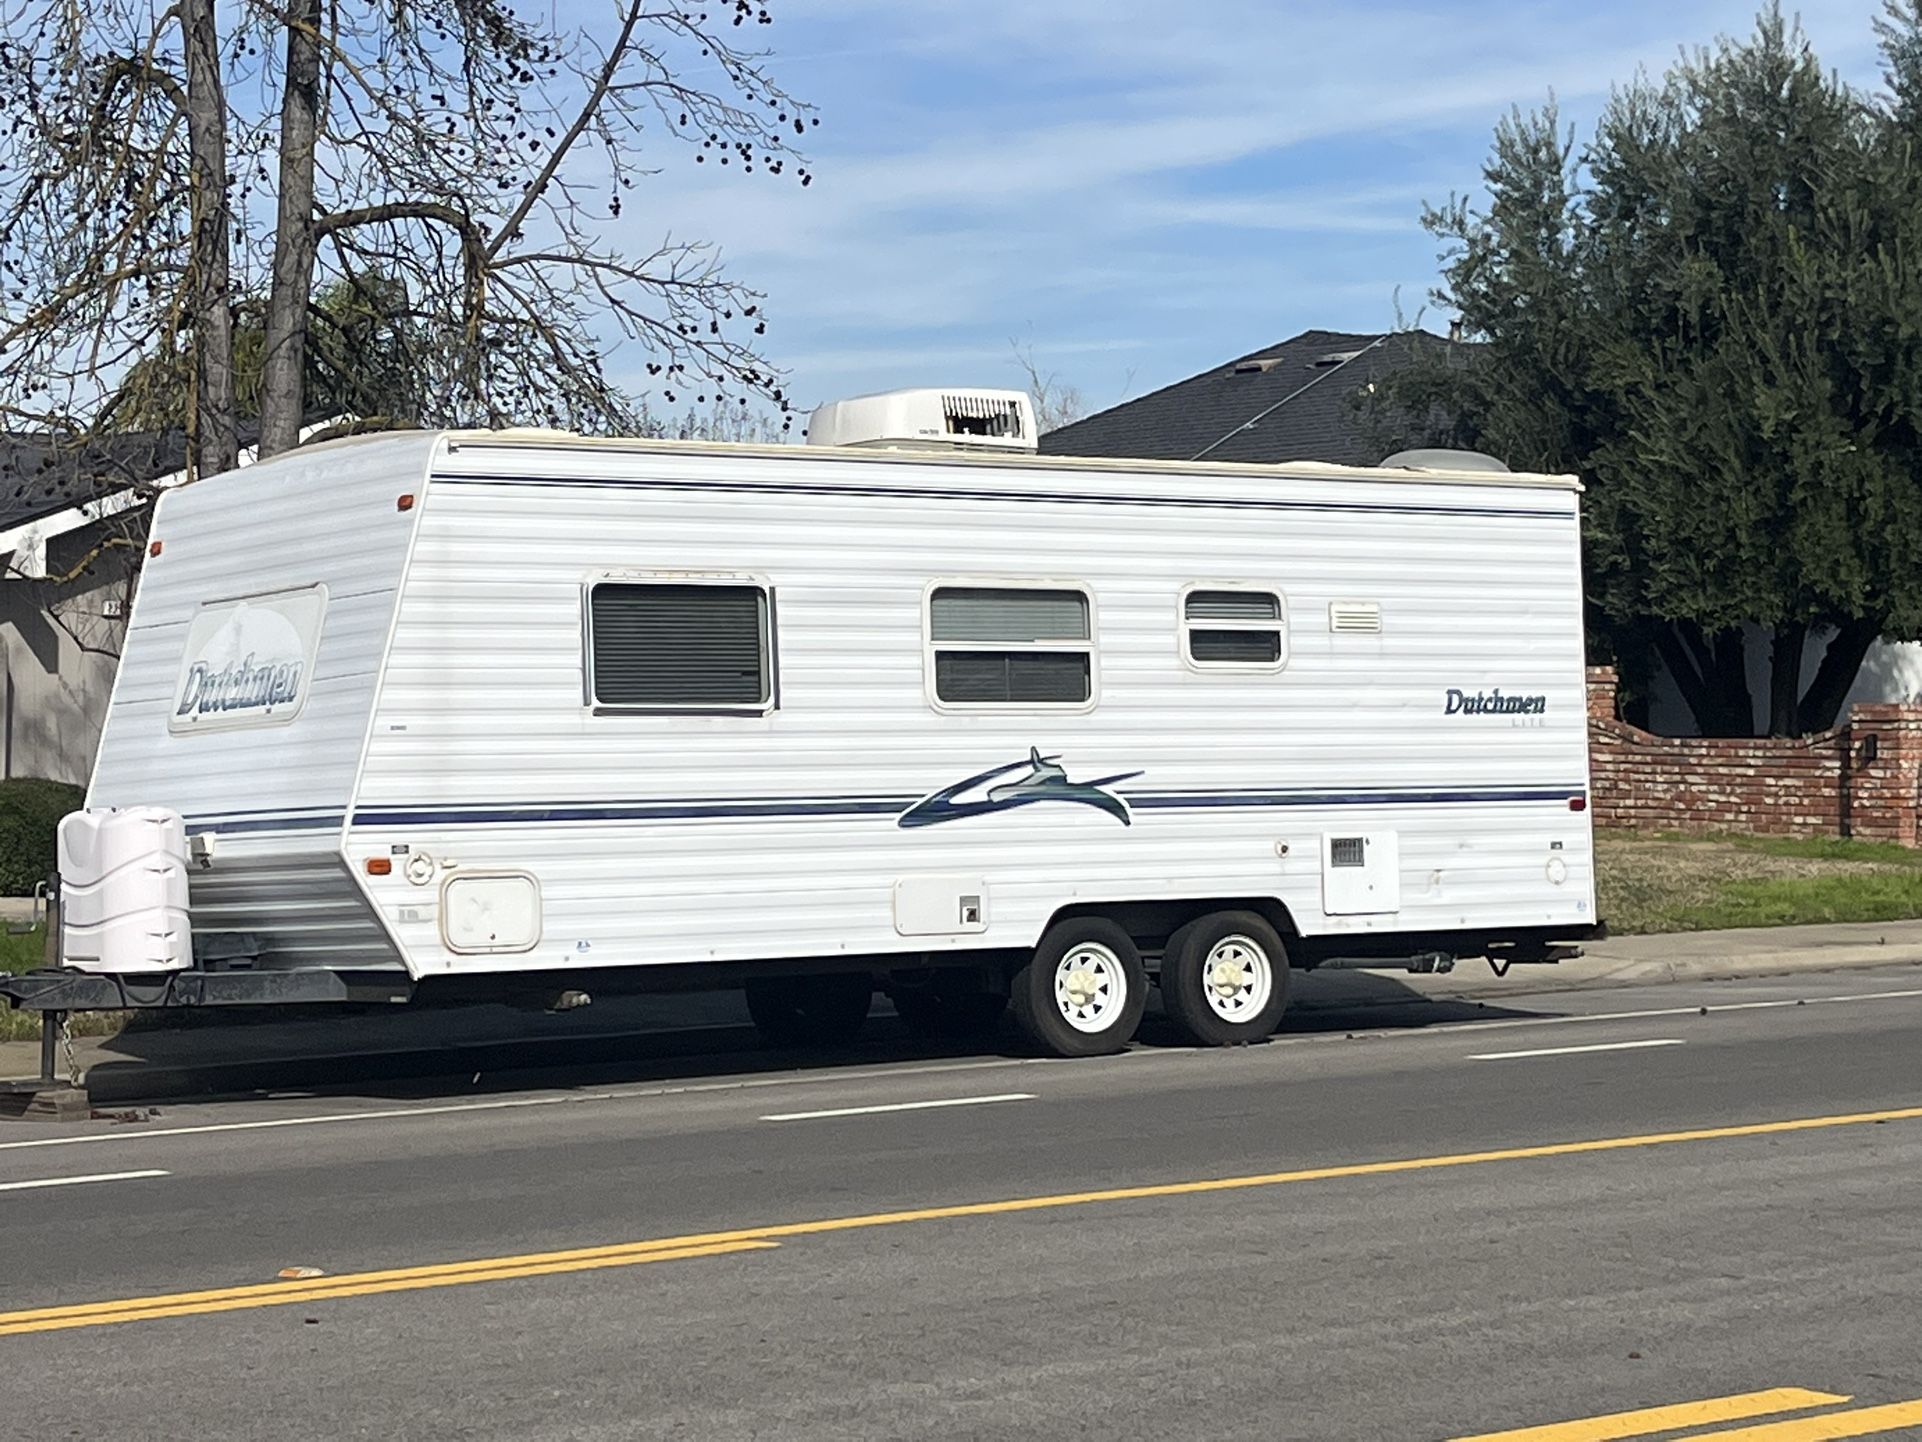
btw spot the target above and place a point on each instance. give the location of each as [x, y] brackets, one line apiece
[1859, 779]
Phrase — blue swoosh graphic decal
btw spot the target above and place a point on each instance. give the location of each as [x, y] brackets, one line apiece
[1045, 781]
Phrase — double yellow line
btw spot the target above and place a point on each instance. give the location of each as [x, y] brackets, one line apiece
[361, 1284]
[752, 1239]
[1742, 1407]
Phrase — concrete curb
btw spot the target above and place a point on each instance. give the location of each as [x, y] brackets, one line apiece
[1584, 976]
[1687, 956]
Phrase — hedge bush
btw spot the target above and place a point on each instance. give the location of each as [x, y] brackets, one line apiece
[30, 813]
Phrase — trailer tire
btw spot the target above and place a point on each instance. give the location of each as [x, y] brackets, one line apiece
[1083, 991]
[1224, 979]
[939, 1016]
[793, 1011]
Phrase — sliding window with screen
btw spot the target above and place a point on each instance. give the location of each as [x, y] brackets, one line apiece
[1000, 647]
[1234, 628]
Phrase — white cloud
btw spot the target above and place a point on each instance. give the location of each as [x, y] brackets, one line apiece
[1198, 180]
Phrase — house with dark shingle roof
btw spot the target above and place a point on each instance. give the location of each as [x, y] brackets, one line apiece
[73, 527]
[1304, 399]
[41, 477]
[73, 515]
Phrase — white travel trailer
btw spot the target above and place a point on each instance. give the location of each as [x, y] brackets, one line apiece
[908, 709]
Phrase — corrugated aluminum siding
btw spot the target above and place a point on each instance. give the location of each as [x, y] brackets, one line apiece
[275, 797]
[661, 838]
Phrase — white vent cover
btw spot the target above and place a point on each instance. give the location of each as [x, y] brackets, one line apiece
[1355, 618]
[942, 420]
[1436, 459]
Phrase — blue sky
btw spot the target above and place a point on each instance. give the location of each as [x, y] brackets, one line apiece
[1139, 189]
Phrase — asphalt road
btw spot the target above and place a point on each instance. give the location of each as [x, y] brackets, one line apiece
[1595, 1203]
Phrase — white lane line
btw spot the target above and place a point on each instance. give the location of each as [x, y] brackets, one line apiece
[898, 1107]
[563, 1099]
[387, 1114]
[1572, 1050]
[76, 1181]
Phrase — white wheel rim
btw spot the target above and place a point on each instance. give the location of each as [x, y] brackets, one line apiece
[1090, 987]
[1237, 978]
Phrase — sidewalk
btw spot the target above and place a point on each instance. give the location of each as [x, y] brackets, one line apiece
[305, 1048]
[1693, 956]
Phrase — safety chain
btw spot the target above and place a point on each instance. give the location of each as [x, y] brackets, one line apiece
[66, 1042]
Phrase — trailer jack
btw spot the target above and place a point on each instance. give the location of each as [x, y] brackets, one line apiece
[49, 1096]
[1501, 958]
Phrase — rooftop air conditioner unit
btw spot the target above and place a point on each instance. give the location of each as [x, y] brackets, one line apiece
[930, 420]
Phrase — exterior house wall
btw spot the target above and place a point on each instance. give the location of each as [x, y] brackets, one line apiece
[55, 692]
[61, 646]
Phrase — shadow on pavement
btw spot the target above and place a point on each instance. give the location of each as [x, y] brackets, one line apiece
[440, 1054]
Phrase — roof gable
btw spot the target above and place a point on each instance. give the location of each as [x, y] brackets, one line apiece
[1296, 400]
[42, 476]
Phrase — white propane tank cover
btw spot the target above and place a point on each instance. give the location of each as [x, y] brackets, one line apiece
[123, 891]
[930, 419]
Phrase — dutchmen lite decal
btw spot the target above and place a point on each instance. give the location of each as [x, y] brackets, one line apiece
[248, 661]
[1492, 703]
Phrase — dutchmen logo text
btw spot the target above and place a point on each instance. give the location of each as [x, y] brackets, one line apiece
[248, 662]
[239, 686]
[1492, 703]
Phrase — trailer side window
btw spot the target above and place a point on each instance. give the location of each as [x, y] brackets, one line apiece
[680, 645]
[1003, 646]
[1234, 629]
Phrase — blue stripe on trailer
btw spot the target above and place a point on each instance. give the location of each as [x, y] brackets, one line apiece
[810, 807]
[1057, 498]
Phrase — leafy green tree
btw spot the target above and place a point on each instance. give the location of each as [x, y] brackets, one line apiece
[1712, 312]
[365, 358]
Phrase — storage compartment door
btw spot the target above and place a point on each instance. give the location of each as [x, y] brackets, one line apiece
[941, 906]
[491, 912]
[1360, 873]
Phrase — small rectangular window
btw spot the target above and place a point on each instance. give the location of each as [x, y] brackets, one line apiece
[1011, 646]
[680, 645]
[1243, 629]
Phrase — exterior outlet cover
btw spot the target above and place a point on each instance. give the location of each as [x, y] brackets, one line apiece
[941, 906]
[491, 913]
[1360, 873]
